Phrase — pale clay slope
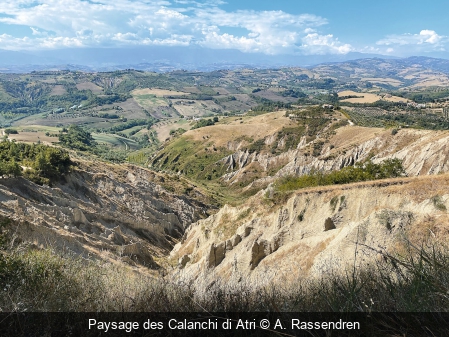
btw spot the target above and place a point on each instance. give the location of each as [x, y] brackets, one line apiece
[124, 214]
[114, 213]
[258, 243]
[422, 152]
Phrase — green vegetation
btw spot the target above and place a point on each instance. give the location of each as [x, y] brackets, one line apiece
[192, 159]
[177, 132]
[438, 203]
[388, 217]
[386, 105]
[425, 96]
[77, 139]
[203, 122]
[293, 93]
[374, 117]
[390, 168]
[268, 106]
[43, 164]
[11, 132]
[135, 122]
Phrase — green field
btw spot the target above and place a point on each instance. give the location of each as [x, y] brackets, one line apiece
[148, 101]
[116, 141]
[130, 130]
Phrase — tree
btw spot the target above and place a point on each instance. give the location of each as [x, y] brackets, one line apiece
[77, 138]
[13, 168]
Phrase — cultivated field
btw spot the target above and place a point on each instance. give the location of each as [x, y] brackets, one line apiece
[390, 81]
[58, 90]
[157, 92]
[232, 127]
[129, 109]
[34, 134]
[90, 86]
[432, 82]
[193, 108]
[163, 128]
[150, 101]
[363, 97]
[115, 141]
[275, 95]
[368, 97]
[394, 99]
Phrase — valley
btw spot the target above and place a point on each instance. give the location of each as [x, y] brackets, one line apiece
[195, 185]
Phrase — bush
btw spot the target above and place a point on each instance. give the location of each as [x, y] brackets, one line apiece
[43, 163]
[202, 123]
[438, 203]
[11, 132]
[76, 138]
[390, 168]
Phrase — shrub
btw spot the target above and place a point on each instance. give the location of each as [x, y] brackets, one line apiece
[43, 163]
[389, 168]
[438, 203]
[11, 132]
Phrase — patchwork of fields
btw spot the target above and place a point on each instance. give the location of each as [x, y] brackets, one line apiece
[129, 111]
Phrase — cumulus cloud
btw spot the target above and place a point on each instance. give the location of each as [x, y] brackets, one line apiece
[314, 43]
[425, 41]
[62, 23]
[424, 36]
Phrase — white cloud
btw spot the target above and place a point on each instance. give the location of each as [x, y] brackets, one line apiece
[61, 23]
[408, 44]
[314, 43]
[425, 36]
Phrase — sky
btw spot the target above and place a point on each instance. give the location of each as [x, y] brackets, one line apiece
[275, 27]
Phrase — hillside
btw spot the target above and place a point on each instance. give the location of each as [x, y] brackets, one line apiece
[313, 232]
[108, 212]
[244, 190]
[245, 154]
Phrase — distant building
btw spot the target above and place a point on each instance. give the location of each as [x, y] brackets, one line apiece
[417, 106]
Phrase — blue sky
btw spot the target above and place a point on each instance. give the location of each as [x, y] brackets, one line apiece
[394, 27]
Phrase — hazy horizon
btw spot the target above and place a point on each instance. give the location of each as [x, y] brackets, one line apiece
[200, 33]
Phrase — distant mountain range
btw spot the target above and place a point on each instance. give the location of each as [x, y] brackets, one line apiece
[158, 59]
[163, 59]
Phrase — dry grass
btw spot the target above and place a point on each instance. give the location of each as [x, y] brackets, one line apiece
[58, 90]
[394, 99]
[384, 80]
[226, 227]
[157, 92]
[253, 127]
[367, 98]
[90, 86]
[34, 137]
[164, 127]
[420, 188]
[350, 135]
[442, 81]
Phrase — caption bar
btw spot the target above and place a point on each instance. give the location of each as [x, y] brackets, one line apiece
[217, 324]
